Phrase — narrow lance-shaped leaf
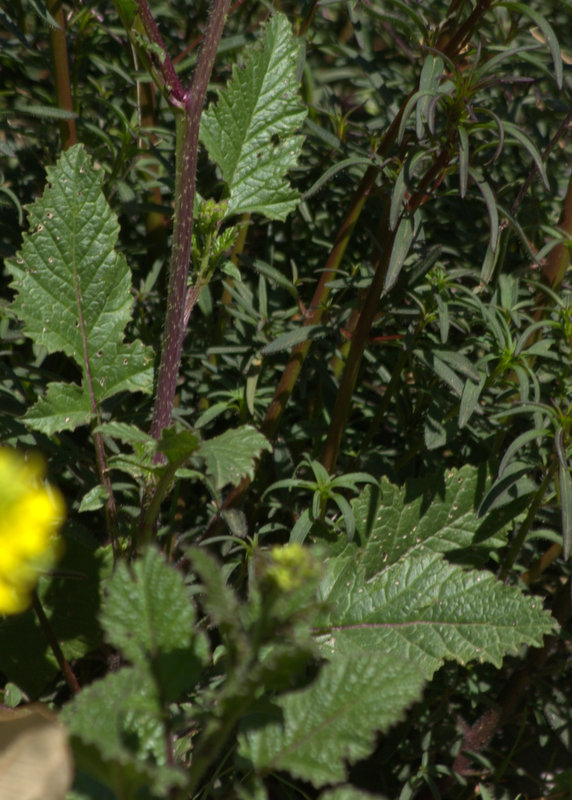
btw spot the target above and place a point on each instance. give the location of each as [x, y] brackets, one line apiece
[565, 485]
[73, 294]
[250, 133]
[463, 160]
[428, 82]
[491, 205]
[399, 252]
[290, 339]
[548, 32]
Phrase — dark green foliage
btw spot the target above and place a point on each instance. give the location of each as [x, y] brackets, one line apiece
[336, 564]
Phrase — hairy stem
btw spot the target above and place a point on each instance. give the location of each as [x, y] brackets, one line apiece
[187, 143]
[172, 84]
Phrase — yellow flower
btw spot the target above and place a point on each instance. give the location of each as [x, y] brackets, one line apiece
[31, 513]
[292, 565]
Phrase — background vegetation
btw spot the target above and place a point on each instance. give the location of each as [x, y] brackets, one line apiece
[327, 553]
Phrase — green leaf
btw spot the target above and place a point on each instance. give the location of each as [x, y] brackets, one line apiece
[73, 294]
[548, 32]
[353, 161]
[313, 732]
[302, 527]
[64, 407]
[491, 204]
[125, 432]
[93, 499]
[45, 112]
[121, 716]
[565, 486]
[520, 441]
[44, 14]
[412, 612]
[231, 456]
[250, 133]
[437, 515]
[178, 445]
[399, 252]
[219, 599]
[290, 339]
[148, 615]
[463, 160]
[274, 275]
[470, 399]
[429, 81]
[514, 131]
[348, 792]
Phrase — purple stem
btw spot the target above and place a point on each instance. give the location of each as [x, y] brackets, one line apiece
[186, 166]
[173, 85]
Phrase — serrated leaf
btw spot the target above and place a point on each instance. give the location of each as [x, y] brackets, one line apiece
[231, 456]
[125, 432]
[219, 599]
[44, 14]
[178, 445]
[147, 614]
[121, 716]
[73, 294]
[250, 133]
[313, 732]
[423, 610]
[437, 515]
[129, 691]
[64, 407]
[93, 499]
